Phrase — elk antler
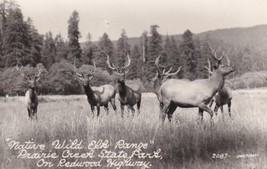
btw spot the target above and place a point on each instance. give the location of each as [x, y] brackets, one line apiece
[37, 77]
[78, 74]
[92, 72]
[21, 73]
[214, 53]
[173, 73]
[228, 60]
[209, 68]
[165, 73]
[128, 62]
[157, 63]
[111, 66]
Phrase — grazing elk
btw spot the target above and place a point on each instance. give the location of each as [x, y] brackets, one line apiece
[31, 99]
[224, 96]
[127, 96]
[97, 96]
[197, 93]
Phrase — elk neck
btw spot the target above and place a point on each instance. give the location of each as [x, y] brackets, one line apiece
[217, 80]
[122, 87]
[88, 90]
[31, 91]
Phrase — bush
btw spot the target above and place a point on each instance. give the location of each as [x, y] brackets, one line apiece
[249, 80]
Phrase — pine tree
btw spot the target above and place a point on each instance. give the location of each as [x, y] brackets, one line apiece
[74, 35]
[136, 61]
[188, 56]
[154, 50]
[144, 47]
[62, 49]
[105, 48]
[123, 48]
[36, 40]
[88, 50]
[16, 40]
[49, 50]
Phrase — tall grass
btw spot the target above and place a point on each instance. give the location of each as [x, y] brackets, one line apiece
[184, 142]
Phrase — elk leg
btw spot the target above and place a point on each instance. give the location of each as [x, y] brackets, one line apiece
[35, 113]
[29, 113]
[165, 109]
[112, 101]
[138, 106]
[106, 108]
[206, 108]
[229, 108]
[200, 113]
[211, 102]
[98, 110]
[216, 109]
[122, 110]
[171, 110]
[132, 109]
[93, 110]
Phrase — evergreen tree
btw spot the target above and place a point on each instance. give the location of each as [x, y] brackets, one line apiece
[144, 45]
[16, 40]
[123, 48]
[62, 49]
[171, 50]
[74, 35]
[105, 47]
[36, 40]
[188, 56]
[136, 61]
[49, 50]
[154, 50]
[88, 51]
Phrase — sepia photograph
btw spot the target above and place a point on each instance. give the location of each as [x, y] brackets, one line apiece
[133, 84]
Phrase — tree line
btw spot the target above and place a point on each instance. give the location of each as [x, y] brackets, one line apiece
[21, 44]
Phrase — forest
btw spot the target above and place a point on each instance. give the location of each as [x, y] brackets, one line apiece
[22, 46]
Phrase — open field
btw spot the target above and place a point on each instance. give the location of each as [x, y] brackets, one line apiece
[184, 143]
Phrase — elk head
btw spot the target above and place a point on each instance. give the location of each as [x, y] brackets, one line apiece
[120, 71]
[214, 55]
[31, 80]
[86, 77]
[162, 75]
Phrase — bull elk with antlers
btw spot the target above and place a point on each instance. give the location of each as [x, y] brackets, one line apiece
[127, 96]
[224, 96]
[97, 96]
[197, 93]
[31, 99]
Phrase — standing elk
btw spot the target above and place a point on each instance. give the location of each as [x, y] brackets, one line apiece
[224, 96]
[31, 98]
[127, 96]
[188, 94]
[97, 96]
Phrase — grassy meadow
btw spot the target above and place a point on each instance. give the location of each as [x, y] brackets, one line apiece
[184, 143]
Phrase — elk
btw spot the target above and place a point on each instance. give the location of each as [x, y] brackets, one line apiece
[127, 96]
[97, 96]
[31, 98]
[224, 96]
[188, 94]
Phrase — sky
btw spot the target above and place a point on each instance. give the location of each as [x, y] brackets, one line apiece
[136, 16]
